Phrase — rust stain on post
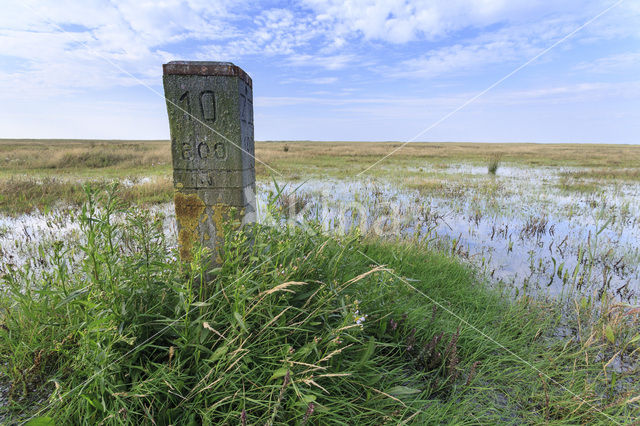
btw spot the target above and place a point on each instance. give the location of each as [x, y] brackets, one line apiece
[189, 209]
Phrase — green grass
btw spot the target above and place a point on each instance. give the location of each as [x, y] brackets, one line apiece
[611, 174]
[580, 186]
[126, 334]
[60, 166]
[301, 159]
[494, 163]
[19, 195]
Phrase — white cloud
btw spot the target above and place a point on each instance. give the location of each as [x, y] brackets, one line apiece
[322, 80]
[311, 80]
[326, 34]
[63, 49]
[459, 58]
[508, 45]
[352, 103]
[588, 92]
[329, 62]
[622, 62]
[70, 45]
[399, 21]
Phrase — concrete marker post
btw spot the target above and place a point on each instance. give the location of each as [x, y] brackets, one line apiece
[210, 108]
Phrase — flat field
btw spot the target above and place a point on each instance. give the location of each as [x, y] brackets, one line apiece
[550, 219]
[64, 164]
[118, 158]
[551, 230]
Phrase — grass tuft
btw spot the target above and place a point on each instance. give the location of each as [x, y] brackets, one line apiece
[88, 159]
[295, 327]
[494, 163]
[24, 195]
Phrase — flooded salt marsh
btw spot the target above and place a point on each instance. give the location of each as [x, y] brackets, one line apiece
[525, 227]
[528, 228]
[24, 238]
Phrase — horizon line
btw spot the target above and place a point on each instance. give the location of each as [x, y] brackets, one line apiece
[325, 141]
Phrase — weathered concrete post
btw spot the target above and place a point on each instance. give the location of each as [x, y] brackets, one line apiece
[210, 107]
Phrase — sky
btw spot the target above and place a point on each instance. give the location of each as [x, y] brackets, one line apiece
[402, 70]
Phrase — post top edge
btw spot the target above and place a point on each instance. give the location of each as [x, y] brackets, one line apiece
[205, 68]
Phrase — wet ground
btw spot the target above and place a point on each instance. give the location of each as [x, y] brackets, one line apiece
[532, 230]
[524, 227]
[520, 227]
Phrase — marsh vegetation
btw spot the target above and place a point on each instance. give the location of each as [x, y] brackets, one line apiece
[427, 291]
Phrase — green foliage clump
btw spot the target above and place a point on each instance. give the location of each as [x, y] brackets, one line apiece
[494, 163]
[295, 327]
[128, 333]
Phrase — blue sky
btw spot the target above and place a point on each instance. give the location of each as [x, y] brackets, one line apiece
[330, 69]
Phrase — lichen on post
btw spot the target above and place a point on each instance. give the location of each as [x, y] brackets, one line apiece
[210, 108]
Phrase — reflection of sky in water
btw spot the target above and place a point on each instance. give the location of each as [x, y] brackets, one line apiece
[21, 236]
[503, 170]
[486, 228]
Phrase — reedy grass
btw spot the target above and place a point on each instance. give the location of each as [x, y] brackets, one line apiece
[494, 163]
[20, 195]
[77, 155]
[569, 185]
[131, 335]
[455, 186]
[624, 174]
[24, 195]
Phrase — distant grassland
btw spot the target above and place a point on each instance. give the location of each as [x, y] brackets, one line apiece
[34, 173]
[84, 157]
[152, 157]
[357, 156]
